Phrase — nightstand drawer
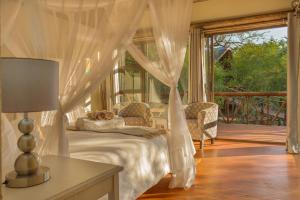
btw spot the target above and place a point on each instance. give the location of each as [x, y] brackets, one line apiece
[94, 191]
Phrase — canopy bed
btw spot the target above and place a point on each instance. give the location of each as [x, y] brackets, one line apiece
[142, 151]
[86, 38]
[144, 160]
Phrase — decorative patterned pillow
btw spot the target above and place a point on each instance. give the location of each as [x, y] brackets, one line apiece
[92, 115]
[100, 115]
[109, 115]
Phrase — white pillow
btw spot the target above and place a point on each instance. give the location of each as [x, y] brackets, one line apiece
[87, 124]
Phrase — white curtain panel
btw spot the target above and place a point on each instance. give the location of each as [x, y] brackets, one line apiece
[9, 10]
[85, 36]
[197, 71]
[171, 21]
[151, 66]
[9, 147]
[293, 97]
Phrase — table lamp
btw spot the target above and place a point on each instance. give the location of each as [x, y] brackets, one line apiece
[28, 85]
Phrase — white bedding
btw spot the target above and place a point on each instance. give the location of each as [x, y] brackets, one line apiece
[145, 161]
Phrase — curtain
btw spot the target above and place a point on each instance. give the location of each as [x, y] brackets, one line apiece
[293, 90]
[9, 147]
[9, 10]
[86, 37]
[98, 98]
[9, 150]
[101, 97]
[171, 32]
[197, 71]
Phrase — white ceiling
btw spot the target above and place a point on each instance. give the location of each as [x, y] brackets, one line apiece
[209, 10]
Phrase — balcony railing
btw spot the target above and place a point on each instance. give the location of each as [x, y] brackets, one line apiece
[266, 108]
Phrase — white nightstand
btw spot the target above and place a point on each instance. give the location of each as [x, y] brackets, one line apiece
[71, 179]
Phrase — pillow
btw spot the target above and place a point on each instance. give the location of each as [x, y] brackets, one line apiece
[100, 115]
[109, 115]
[87, 124]
[92, 115]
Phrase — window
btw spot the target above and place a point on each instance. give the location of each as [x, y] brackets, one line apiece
[133, 83]
[252, 61]
[129, 78]
[250, 76]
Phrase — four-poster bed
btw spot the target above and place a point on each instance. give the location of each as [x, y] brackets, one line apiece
[86, 38]
[144, 160]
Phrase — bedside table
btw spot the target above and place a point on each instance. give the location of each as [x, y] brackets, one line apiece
[71, 179]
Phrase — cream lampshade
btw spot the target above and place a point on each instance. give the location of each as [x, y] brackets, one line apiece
[28, 85]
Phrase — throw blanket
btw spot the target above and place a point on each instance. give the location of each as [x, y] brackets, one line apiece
[139, 131]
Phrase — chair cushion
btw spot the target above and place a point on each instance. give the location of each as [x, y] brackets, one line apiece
[192, 124]
[137, 110]
[134, 110]
[194, 129]
[192, 110]
[134, 121]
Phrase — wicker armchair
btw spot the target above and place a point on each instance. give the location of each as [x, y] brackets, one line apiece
[136, 114]
[202, 121]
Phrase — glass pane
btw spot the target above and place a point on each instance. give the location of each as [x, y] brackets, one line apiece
[135, 84]
[250, 76]
[252, 61]
[184, 78]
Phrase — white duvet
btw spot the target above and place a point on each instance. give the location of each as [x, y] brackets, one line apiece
[145, 161]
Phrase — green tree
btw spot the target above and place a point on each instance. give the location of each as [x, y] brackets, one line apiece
[255, 67]
[235, 40]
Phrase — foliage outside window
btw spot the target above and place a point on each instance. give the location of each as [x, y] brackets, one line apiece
[251, 62]
[256, 63]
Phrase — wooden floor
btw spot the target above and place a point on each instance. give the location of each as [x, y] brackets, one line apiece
[231, 170]
[252, 133]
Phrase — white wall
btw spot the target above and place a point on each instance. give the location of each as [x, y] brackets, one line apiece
[223, 9]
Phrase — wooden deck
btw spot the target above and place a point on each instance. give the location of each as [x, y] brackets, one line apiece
[252, 133]
[231, 170]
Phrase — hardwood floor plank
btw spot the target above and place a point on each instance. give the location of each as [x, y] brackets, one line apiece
[238, 171]
[252, 133]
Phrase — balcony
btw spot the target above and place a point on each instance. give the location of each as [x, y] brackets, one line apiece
[252, 116]
[264, 108]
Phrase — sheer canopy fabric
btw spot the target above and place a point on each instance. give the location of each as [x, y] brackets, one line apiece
[171, 32]
[9, 149]
[85, 36]
[9, 10]
[293, 90]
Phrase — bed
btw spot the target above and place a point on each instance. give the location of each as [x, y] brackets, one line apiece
[145, 160]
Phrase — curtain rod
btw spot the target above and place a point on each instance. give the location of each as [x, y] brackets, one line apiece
[241, 20]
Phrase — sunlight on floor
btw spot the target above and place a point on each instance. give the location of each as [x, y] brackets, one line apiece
[233, 170]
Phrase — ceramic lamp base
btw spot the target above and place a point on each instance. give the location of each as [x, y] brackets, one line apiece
[13, 180]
